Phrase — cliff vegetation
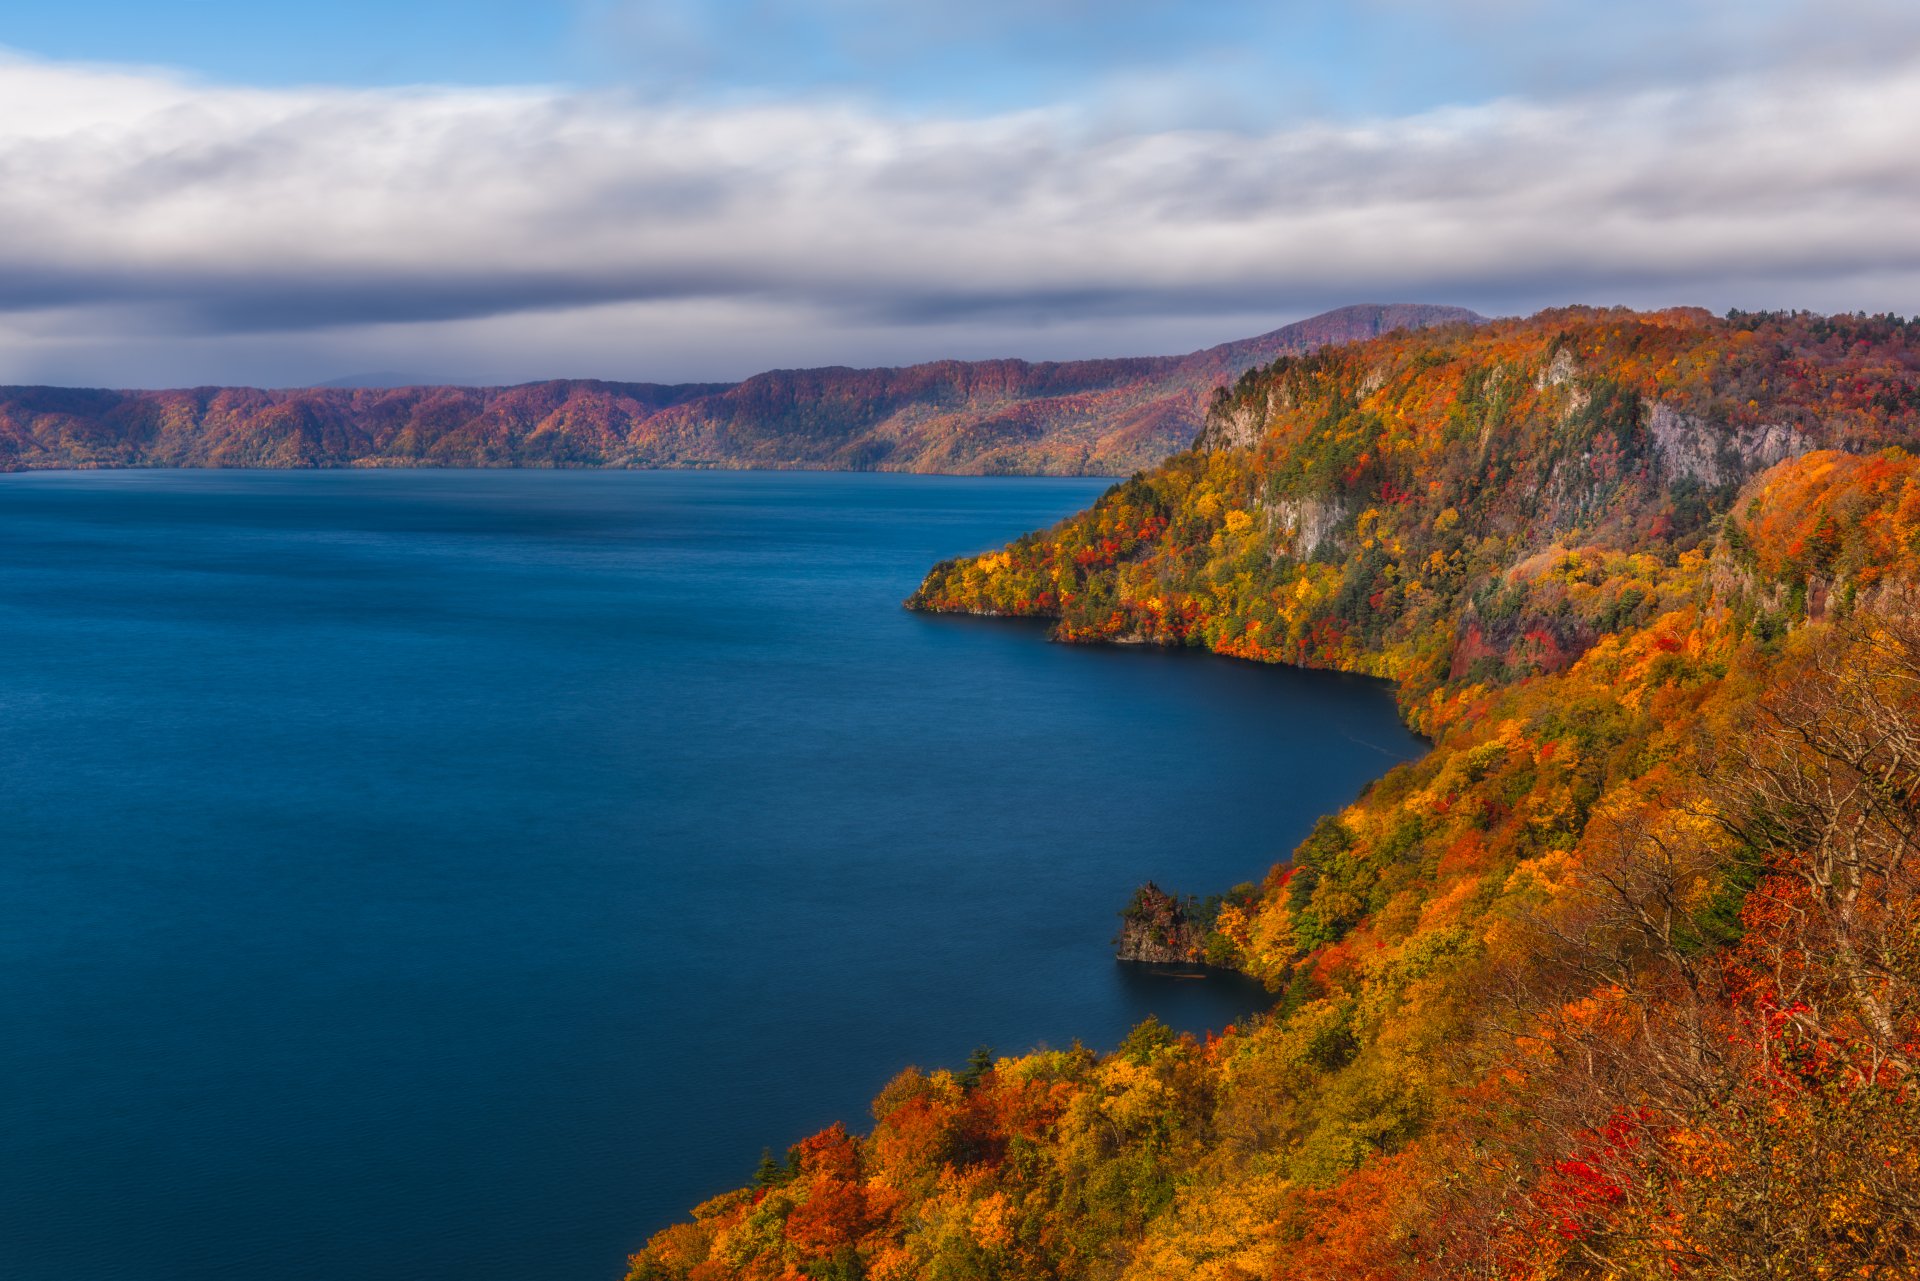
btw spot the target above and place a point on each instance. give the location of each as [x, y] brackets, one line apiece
[1156, 928]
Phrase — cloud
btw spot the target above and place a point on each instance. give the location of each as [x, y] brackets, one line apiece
[157, 229]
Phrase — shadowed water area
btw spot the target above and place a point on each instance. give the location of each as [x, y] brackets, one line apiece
[420, 875]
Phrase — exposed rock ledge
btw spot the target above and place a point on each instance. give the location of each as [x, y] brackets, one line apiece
[1154, 928]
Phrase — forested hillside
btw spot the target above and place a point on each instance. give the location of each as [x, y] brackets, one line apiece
[1086, 417]
[1623, 978]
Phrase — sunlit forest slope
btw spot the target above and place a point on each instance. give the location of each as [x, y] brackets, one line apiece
[1622, 979]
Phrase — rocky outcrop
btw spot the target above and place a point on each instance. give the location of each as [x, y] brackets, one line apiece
[1155, 928]
[1308, 524]
[1688, 448]
[1235, 426]
[1560, 369]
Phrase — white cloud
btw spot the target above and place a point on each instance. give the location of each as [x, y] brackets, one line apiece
[154, 229]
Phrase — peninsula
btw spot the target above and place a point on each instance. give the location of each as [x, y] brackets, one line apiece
[1620, 979]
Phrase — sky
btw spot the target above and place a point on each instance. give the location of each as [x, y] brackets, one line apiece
[679, 190]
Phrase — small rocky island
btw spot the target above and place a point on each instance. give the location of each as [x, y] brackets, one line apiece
[1158, 928]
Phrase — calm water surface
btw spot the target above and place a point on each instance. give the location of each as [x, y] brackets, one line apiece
[421, 875]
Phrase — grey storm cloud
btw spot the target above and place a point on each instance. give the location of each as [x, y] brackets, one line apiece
[172, 210]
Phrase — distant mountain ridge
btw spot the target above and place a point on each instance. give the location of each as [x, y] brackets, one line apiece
[1082, 417]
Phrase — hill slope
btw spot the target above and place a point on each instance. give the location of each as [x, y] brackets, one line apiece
[1097, 417]
[1623, 978]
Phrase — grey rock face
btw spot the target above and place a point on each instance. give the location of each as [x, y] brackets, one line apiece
[1688, 447]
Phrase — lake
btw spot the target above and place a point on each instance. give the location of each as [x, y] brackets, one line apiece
[410, 875]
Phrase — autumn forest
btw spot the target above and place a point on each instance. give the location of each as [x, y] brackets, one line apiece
[1621, 979]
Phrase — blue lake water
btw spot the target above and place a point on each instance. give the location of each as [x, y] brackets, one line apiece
[421, 875]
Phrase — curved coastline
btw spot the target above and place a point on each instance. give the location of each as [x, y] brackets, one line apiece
[1197, 967]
